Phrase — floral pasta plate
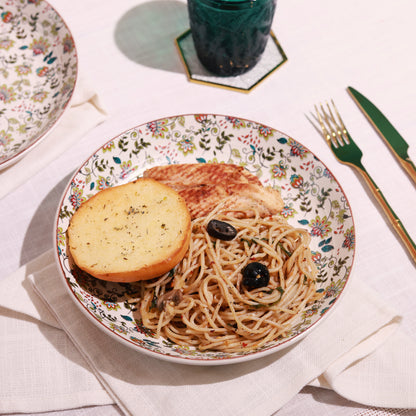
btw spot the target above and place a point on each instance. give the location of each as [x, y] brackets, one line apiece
[38, 72]
[313, 200]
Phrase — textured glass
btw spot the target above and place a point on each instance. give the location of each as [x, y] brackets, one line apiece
[230, 35]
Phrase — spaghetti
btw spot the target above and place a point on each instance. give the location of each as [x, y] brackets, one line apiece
[203, 302]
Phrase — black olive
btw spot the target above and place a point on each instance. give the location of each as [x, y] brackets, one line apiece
[255, 275]
[221, 230]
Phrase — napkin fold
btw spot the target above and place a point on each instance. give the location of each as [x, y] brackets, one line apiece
[84, 113]
[56, 358]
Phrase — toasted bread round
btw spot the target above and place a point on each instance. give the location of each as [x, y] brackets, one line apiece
[130, 232]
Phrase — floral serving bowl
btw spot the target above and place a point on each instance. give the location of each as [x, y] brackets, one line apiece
[38, 72]
[313, 200]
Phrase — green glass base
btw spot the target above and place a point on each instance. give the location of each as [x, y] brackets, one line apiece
[272, 58]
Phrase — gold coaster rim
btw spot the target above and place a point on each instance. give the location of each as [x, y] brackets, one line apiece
[225, 86]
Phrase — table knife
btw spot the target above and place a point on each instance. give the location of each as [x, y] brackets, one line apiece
[386, 130]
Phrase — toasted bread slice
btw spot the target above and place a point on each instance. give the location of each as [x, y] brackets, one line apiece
[131, 232]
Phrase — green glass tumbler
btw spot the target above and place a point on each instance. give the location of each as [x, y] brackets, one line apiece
[230, 35]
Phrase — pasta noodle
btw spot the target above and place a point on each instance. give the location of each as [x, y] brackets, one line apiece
[203, 302]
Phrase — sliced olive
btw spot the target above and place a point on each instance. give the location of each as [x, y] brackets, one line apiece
[221, 230]
[255, 275]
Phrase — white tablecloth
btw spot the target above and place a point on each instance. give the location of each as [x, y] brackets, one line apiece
[127, 51]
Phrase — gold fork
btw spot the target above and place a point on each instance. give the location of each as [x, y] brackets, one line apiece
[346, 151]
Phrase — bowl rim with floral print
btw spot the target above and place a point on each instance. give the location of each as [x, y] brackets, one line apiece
[37, 78]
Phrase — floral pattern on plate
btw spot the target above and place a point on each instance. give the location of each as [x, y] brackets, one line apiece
[38, 71]
[313, 200]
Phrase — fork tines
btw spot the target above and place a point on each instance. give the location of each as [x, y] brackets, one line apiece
[333, 129]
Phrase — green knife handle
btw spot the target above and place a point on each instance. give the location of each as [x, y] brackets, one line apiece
[393, 218]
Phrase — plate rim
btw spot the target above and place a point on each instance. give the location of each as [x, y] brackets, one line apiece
[187, 360]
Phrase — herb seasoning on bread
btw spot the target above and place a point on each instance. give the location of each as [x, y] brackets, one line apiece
[130, 232]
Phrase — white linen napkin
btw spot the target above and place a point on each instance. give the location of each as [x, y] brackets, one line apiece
[357, 351]
[84, 113]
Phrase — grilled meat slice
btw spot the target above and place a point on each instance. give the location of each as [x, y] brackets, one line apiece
[202, 199]
[183, 175]
[205, 186]
[241, 199]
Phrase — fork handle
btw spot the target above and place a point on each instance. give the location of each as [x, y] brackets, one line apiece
[391, 215]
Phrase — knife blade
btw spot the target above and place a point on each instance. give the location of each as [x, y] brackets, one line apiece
[386, 130]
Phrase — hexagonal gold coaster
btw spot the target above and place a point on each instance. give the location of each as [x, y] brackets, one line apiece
[273, 57]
